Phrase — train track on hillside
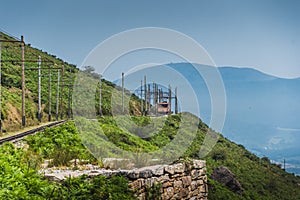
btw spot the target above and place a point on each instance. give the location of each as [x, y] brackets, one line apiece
[32, 131]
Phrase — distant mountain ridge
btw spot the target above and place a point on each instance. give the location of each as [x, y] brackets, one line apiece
[257, 104]
[244, 74]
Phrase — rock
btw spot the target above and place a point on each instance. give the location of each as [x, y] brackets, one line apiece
[145, 173]
[169, 169]
[195, 174]
[186, 181]
[199, 164]
[225, 176]
[168, 193]
[178, 184]
[179, 168]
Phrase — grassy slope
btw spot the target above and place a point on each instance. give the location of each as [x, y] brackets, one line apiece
[259, 178]
[11, 85]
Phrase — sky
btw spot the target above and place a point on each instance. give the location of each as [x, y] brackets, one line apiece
[261, 34]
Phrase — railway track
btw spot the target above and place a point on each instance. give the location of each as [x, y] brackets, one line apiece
[32, 131]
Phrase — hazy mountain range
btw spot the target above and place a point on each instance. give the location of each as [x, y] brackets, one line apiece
[263, 111]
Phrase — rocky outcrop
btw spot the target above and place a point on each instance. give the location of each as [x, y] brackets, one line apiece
[225, 176]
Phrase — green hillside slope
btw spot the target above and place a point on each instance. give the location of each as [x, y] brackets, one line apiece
[12, 89]
[259, 178]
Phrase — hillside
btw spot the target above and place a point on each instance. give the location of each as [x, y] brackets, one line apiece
[11, 96]
[262, 111]
[258, 177]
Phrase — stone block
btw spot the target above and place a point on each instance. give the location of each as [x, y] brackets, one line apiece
[145, 173]
[168, 192]
[178, 184]
[163, 178]
[167, 184]
[169, 169]
[186, 181]
[199, 164]
[194, 185]
[179, 168]
[195, 173]
[183, 193]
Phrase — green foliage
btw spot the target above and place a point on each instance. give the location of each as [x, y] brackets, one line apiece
[98, 188]
[61, 144]
[154, 192]
[18, 180]
[219, 155]
[11, 84]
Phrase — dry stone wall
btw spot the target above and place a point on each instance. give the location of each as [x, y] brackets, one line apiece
[185, 180]
[178, 181]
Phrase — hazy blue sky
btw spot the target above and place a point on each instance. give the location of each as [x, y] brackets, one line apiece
[264, 34]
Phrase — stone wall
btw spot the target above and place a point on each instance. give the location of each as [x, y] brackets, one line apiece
[177, 181]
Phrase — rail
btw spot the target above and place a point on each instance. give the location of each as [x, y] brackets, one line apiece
[32, 131]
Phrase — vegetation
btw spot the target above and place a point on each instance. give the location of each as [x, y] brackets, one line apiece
[11, 86]
[60, 144]
[20, 180]
[258, 176]
[141, 135]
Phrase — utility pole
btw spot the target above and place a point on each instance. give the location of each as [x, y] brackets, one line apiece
[155, 97]
[0, 89]
[39, 90]
[176, 102]
[100, 95]
[49, 94]
[149, 97]
[170, 98]
[145, 91]
[142, 97]
[61, 94]
[23, 81]
[69, 97]
[122, 92]
[284, 164]
[23, 77]
[57, 95]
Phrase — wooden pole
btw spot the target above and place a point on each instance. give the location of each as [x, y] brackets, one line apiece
[176, 102]
[61, 94]
[100, 95]
[49, 94]
[39, 90]
[149, 97]
[57, 95]
[142, 97]
[23, 81]
[69, 97]
[0, 88]
[122, 92]
[170, 99]
[145, 88]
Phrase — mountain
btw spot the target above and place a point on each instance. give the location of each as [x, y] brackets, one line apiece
[262, 111]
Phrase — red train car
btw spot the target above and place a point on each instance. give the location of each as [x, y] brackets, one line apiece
[163, 108]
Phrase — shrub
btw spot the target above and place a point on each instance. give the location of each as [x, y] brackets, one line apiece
[219, 155]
